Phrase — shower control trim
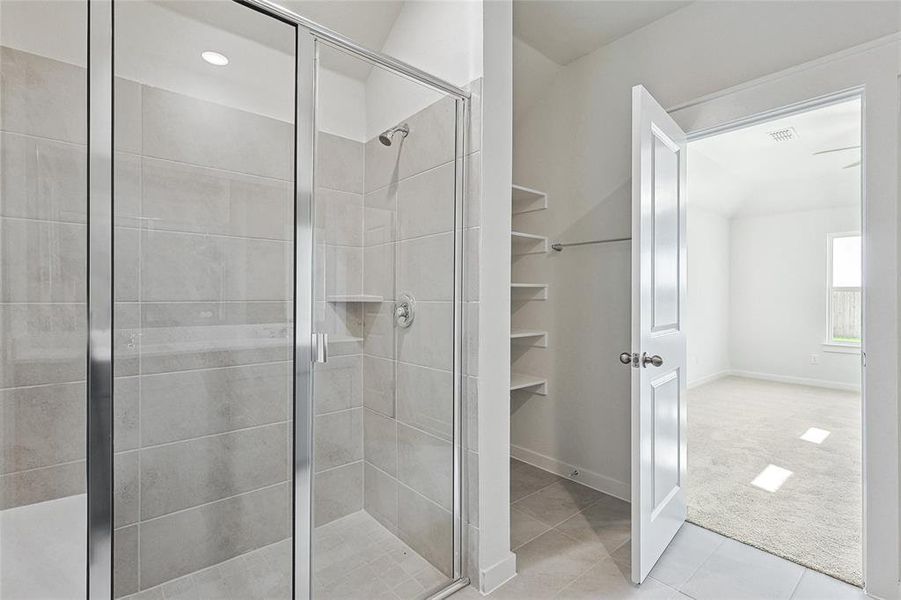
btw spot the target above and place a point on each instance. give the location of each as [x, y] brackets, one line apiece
[405, 310]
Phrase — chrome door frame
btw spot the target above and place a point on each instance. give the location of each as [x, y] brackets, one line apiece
[100, 301]
[100, 325]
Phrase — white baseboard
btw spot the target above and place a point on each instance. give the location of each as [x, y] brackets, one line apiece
[601, 483]
[820, 383]
[497, 575]
[708, 378]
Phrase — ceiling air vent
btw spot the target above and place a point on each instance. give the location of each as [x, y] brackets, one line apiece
[783, 135]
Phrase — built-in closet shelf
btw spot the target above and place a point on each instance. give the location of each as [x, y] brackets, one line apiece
[526, 200]
[533, 291]
[532, 337]
[354, 298]
[521, 381]
[527, 243]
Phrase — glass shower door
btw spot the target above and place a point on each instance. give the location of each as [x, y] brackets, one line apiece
[385, 258]
[204, 278]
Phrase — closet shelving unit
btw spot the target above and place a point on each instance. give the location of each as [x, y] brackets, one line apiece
[526, 200]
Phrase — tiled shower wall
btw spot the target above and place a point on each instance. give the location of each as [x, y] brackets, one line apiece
[204, 290]
[43, 208]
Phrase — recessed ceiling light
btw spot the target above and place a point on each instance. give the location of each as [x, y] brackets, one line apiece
[214, 58]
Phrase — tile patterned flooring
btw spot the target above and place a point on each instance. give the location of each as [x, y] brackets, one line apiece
[572, 542]
[355, 558]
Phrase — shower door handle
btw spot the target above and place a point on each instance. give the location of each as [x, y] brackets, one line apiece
[320, 347]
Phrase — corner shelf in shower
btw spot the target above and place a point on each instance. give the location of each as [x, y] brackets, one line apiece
[521, 381]
[354, 298]
[526, 200]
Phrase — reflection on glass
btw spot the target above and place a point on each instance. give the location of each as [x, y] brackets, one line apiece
[383, 425]
[43, 211]
[204, 169]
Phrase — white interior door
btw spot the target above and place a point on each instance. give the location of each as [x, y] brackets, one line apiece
[658, 339]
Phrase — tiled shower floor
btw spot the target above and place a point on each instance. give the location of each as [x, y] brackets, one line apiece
[356, 559]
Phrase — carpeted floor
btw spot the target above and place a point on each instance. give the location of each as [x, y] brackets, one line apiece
[736, 428]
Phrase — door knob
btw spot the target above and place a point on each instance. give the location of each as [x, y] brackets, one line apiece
[651, 360]
[625, 358]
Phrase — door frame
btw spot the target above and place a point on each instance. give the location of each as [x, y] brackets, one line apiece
[100, 258]
[870, 72]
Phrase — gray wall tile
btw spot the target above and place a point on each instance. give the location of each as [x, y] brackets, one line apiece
[184, 474]
[339, 217]
[425, 267]
[41, 344]
[425, 399]
[188, 404]
[126, 495]
[339, 163]
[380, 441]
[337, 493]
[338, 439]
[43, 179]
[338, 384]
[432, 139]
[378, 270]
[430, 341]
[40, 485]
[125, 561]
[127, 113]
[43, 97]
[425, 203]
[42, 261]
[379, 385]
[427, 528]
[180, 197]
[212, 533]
[126, 428]
[343, 271]
[178, 336]
[426, 464]
[380, 216]
[380, 496]
[185, 129]
[182, 266]
[41, 426]
[378, 329]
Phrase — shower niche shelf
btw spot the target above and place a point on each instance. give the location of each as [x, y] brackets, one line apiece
[350, 298]
[526, 200]
[521, 381]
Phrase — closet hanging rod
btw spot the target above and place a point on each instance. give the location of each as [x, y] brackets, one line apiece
[559, 247]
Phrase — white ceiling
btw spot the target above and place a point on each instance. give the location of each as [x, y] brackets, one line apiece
[745, 172]
[565, 30]
[368, 22]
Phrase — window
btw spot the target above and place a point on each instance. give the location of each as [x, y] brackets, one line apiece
[844, 293]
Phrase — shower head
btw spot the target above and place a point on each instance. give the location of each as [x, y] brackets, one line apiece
[387, 136]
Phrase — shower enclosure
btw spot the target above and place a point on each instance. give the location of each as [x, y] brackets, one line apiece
[230, 308]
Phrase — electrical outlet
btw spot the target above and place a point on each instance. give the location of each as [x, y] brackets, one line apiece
[814, 359]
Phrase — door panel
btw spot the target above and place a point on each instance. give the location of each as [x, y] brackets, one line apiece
[658, 291]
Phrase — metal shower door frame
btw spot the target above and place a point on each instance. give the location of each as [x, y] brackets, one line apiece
[100, 74]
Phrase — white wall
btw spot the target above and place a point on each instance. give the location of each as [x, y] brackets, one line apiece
[778, 265]
[574, 143]
[441, 37]
[708, 311]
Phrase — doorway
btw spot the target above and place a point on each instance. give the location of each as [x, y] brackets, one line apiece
[774, 334]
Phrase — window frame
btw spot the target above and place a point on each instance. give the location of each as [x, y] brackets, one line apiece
[830, 345]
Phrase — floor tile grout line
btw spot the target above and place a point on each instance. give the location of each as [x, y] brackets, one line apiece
[797, 584]
[703, 562]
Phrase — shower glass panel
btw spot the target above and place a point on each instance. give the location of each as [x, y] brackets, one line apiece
[204, 278]
[43, 237]
[385, 242]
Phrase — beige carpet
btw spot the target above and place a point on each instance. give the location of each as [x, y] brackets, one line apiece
[736, 428]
